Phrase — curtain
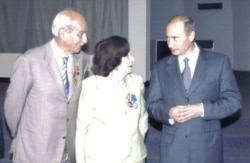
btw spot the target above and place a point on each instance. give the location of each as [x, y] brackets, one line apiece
[27, 23]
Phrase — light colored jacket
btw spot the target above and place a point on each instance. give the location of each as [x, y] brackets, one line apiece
[108, 130]
[38, 112]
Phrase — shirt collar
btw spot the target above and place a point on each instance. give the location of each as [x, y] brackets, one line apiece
[191, 56]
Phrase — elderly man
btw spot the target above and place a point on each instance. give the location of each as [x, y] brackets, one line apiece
[42, 98]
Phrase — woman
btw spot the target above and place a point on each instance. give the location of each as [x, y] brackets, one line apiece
[112, 120]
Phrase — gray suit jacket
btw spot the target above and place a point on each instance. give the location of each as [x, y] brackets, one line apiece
[198, 140]
[37, 110]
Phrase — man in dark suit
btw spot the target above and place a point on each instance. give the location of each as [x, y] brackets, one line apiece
[189, 98]
[42, 98]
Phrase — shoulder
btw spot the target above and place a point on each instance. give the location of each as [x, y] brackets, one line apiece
[38, 50]
[32, 56]
[89, 80]
[37, 53]
[135, 81]
[209, 53]
[135, 77]
[82, 55]
[93, 81]
[166, 60]
[213, 56]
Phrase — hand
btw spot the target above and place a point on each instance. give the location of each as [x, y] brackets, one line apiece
[174, 112]
[182, 113]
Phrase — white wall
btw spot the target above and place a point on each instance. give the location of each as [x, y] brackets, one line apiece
[6, 62]
[138, 35]
[213, 24]
[161, 12]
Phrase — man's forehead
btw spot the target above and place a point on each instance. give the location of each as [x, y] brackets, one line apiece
[175, 28]
[176, 24]
[80, 26]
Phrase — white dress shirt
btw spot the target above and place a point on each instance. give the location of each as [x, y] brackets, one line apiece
[58, 53]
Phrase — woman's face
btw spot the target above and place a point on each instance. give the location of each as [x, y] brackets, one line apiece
[126, 65]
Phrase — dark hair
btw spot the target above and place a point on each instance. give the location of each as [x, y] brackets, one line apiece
[189, 24]
[108, 54]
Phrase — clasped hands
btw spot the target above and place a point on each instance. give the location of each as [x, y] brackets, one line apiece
[183, 113]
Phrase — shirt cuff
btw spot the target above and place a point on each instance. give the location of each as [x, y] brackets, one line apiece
[171, 121]
[203, 112]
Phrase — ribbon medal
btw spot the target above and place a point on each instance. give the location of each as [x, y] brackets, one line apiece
[132, 101]
[76, 74]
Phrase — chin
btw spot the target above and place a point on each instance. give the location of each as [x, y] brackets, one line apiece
[76, 51]
[174, 53]
[130, 71]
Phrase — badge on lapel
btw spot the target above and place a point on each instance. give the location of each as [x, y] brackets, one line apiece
[76, 74]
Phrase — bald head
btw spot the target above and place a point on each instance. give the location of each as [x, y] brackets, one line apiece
[69, 29]
[69, 20]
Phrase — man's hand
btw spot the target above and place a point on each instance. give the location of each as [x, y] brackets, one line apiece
[183, 113]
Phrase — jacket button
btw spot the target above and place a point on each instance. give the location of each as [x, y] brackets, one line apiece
[64, 137]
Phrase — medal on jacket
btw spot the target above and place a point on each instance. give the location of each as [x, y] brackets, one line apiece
[76, 74]
[132, 101]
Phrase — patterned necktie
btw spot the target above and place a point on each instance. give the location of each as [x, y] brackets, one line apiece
[64, 73]
[186, 74]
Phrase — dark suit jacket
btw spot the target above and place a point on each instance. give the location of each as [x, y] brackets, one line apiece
[198, 140]
[38, 112]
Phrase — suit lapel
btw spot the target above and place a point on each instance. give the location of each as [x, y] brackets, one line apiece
[200, 72]
[52, 68]
[173, 70]
[76, 76]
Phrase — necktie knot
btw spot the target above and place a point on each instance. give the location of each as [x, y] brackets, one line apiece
[185, 60]
[65, 60]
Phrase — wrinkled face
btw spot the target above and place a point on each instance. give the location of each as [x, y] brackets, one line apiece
[126, 65]
[74, 37]
[179, 42]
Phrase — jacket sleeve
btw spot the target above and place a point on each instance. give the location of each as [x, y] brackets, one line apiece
[143, 122]
[155, 104]
[229, 100]
[84, 117]
[17, 93]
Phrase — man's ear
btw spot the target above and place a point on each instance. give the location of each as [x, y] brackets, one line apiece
[191, 36]
[62, 34]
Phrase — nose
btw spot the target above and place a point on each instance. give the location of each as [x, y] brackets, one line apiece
[131, 58]
[84, 39]
[170, 42]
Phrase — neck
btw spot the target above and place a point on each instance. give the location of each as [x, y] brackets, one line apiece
[60, 44]
[191, 48]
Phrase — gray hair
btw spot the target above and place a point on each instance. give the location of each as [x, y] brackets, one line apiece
[63, 20]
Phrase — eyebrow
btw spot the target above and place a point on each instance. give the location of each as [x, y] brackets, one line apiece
[172, 37]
